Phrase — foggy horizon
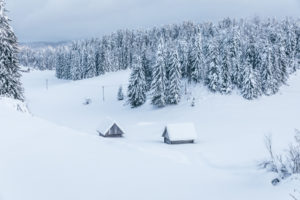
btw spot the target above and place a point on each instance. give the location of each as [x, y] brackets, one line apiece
[57, 20]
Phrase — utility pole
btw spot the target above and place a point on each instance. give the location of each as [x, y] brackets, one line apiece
[46, 84]
[103, 93]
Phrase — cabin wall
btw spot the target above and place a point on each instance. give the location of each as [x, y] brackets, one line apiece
[182, 142]
[115, 131]
[167, 141]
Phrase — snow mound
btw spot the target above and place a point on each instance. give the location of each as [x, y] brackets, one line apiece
[14, 104]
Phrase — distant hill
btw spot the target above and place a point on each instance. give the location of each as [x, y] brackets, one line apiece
[36, 45]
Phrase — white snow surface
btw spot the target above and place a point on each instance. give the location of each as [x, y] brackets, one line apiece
[181, 131]
[14, 104]
[56, 154]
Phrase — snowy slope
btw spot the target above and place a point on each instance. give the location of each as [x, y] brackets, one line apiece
[57, 154]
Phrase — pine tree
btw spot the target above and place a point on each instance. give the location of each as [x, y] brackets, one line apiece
[137, 85]
[250, 88]
[189, 63]
[226, 85]
[59, 65]
[235, 53]
[76, 68]
[197, 61]
[10, 85]
[147, 67]
[269, 83]
[213, 74]
[174, 86]
[159, 78]
[290, 44]
[282, 73]
[120, 94]
[183, 51]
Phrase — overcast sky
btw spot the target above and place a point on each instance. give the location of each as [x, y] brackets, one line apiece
[57, 20]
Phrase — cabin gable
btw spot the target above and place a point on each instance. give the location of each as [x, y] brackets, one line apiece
[114, 131]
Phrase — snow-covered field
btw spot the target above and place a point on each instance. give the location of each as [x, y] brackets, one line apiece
[56, 154]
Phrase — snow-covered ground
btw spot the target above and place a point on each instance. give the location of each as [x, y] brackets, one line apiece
[55, 153]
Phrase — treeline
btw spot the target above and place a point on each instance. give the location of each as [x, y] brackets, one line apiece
[254, 56]
[38, 58]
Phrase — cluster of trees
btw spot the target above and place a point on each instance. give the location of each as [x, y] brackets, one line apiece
[253, 56]
[10, 85]
[39, 58]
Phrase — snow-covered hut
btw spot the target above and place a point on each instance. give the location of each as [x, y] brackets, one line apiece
[109, 128]
[180, 133]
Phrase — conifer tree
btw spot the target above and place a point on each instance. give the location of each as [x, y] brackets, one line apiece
[197, 61]
[235, 52]
[10, 85]
[137, 85]
[213, 74]
[226, 85]
[250, 87]
[174, 86]
[282, 73]
[147, 67]
[269, 83]
[159, 78]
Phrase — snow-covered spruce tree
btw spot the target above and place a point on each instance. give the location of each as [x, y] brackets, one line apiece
[59, 65]
[100, 58]
[269, 84]
[226, 84]
[76, 68]
[281, 71]
[235, 52]
[63, 61]
[189, 63]
[213, 71]
[250, 87]
[147, 67]
[120, 94]
[10, 85]
[91, 63]
[197, 61]
[137, 85]
[183, 52]
[174, 83]
[158, 85]
[290, 43]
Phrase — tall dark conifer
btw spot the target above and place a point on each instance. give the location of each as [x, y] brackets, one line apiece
[174, 83]
[159, 78]
[137, 85]
[10, 85]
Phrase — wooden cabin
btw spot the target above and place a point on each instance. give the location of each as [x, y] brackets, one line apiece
[109, 128]
[179, 133]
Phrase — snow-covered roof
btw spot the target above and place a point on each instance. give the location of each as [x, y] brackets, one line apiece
[183, 131]
[105, 125]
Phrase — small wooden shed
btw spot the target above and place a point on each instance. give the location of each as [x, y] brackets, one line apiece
[180, 133]
[109, 128]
